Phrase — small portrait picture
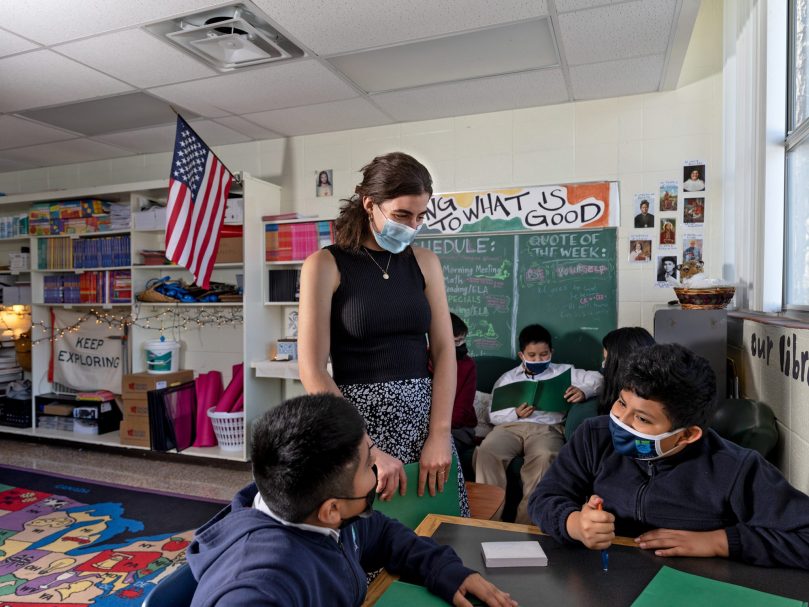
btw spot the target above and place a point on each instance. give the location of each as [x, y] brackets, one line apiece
[694, 177]
[640, 250]
[668, 196]
[324, 183]
[666, 268]
[644, 205]
[668, 232]
[692, 247]
[694, 211]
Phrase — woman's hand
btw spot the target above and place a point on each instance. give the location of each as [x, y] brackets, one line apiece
[390, 475]
[434, 463]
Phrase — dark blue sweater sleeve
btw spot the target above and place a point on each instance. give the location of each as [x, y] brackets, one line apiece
[565, 486]
[389, 544]
[773, 527]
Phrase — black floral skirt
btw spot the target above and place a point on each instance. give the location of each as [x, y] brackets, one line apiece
[397, 414]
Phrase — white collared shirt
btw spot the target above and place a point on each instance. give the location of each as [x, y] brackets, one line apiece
[589, 382]
[260, 505]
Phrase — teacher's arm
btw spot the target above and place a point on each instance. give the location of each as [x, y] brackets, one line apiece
[436, 455]
[319, 281]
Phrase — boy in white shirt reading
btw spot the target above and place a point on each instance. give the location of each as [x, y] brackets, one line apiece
[525, 430]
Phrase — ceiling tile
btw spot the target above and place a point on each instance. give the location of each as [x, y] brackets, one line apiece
[245, 127]
[11, 44]
[143, 141]
[44, 78]
[617, 78]
[565, 6]
[321, 118]
[154, 63]
[65, 152]
[35, 20]
[16, 132]
[541, 87]
[269, 88]
[618, 31]
[6, 164]
[341, 26]
[218, 134]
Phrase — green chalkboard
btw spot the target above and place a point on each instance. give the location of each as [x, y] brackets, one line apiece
[566, 281]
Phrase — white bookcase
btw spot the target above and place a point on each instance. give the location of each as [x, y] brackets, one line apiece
[204, 348]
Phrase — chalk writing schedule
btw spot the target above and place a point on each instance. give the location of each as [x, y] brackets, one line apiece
[566, 280]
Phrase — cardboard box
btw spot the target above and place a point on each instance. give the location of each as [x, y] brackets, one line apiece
[58, 409]
[135, 432]
[230, 250]
[135, 407]
[135, 385]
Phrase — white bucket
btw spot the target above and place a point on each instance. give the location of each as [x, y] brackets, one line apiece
[162, 356]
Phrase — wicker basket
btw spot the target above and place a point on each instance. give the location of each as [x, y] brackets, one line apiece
[229, 429]
[152, 295]
[704, 299]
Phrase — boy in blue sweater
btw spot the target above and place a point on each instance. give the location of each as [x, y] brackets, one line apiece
[305, 532]
[666, 479]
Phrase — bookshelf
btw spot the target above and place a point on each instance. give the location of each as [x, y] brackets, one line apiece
[204, 348]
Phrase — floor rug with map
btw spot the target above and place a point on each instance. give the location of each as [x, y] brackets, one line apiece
[73, 543]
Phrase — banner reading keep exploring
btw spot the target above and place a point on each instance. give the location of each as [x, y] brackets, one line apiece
[555, 207]
[90, 358]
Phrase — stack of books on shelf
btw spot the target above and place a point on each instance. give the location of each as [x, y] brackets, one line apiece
[9, 369]
[12, 226]
[110, 286]
[285, 285]
[296, 241]
[69, 217]
[101, 252]
[55, 254]
[120, 215]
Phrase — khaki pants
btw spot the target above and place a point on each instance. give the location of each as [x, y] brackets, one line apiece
[537, 443]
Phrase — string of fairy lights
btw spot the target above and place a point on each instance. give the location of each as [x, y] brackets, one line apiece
[167, 320]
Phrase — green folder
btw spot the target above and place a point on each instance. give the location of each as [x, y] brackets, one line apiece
[673, 588]
[410, 509]
[402, 594]
[546, 395]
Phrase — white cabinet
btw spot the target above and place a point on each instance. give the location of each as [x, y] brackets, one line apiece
[213, 335]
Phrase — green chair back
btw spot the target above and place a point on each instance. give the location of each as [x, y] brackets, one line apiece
[748, 423]
[410, 509]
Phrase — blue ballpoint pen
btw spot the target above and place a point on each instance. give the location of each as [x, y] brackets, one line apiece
[605, 555]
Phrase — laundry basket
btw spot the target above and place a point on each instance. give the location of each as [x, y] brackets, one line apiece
[229, 429]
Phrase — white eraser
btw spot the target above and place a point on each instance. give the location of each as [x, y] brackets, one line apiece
[513, 554]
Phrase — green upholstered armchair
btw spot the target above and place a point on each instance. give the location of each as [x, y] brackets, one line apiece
[748, 423]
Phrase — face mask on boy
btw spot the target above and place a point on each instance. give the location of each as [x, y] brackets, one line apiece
[536, 368]
[369, 505]
[628, 441]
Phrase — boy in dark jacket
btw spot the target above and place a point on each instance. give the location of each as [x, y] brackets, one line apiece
[667, 480]
[305, 533]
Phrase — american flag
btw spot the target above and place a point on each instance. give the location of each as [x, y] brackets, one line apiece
[198, 190]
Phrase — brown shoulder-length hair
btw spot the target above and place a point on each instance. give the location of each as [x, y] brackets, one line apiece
[385, 177]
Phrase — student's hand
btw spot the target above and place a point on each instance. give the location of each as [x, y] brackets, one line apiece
[671, 542]
[434, 463]
[592, 527]
[484, 590]
[524, 410]
[390, 475]
[574, 395]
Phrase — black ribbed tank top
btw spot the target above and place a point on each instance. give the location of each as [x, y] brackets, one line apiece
[378, 326]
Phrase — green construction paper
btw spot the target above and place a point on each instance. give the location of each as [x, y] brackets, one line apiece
[673, 588]
[402, 594]
[546, 395]
[410, 509]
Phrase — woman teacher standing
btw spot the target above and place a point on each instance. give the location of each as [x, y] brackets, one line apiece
[372, 301]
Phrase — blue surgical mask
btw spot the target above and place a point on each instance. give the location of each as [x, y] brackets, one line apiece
[395, 237]
[628, 441]
[536, 368]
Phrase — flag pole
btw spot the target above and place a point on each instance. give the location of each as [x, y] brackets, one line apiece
[236, 177]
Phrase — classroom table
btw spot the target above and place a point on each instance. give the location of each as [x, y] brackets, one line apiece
[574, 575]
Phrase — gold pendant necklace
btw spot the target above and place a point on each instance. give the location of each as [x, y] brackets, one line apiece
[385, 274]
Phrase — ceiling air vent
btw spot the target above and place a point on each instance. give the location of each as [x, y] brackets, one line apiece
[228, 37]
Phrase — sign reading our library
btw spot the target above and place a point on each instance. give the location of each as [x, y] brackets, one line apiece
[553, 207]
[90, 358]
